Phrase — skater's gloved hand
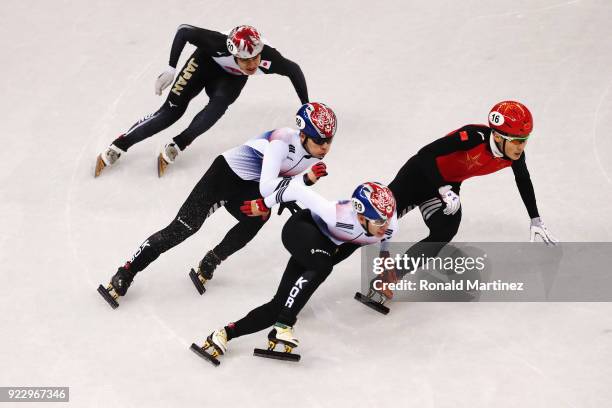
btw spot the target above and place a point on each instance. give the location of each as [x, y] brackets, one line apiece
[317, 171]
[255, 208]
[384, 254]
[380, 284]
[451, 199]
[389, 274]
[538, 228]
[164, 80]
[289, 205]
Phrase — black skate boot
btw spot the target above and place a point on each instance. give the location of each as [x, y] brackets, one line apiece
[118, 285]
[206, 267]
[379, 293]
[280, 333]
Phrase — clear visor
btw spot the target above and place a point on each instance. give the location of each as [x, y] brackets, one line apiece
[517, 140]
[379, 222]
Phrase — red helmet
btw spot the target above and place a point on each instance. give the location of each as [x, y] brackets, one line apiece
[511, 118]
[244, 42]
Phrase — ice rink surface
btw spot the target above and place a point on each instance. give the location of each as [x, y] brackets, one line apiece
[399, 74]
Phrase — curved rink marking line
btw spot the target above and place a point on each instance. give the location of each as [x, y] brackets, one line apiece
[100, 130]
[596, 121]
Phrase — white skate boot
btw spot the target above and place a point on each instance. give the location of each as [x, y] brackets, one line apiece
[107, 158]
[283, 334]
[280, 333]
[166, 156]
[217, 340]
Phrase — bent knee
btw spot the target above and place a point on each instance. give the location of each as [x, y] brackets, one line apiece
[444, 234]
[220, 102]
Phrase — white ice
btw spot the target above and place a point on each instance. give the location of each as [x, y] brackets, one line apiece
[399, 74]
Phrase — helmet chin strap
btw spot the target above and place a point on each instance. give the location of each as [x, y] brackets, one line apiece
[366, 227]
[304, 144]
[503, 149]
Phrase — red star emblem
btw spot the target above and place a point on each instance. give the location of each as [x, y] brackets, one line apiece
[471, 161]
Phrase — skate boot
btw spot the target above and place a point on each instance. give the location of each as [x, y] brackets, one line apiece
[107, 158]
[379, 292]
[388, 276]
[118, 285]
[207, 266]
[217, 342]
[283, 334]
[167, 156]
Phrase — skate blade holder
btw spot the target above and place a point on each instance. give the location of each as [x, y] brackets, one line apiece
[286, 355]
[100, 165]
[162, 165]
[197, 282]
[110, 298]
[206, 356]
[372, 304]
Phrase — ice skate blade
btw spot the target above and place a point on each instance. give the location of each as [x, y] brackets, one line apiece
[104, 293]
[371, 303]
[200, 352]
[276, 355]
[161, 165]
[197, 282]
[100, 165]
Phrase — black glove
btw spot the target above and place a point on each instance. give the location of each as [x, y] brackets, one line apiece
[290, 205]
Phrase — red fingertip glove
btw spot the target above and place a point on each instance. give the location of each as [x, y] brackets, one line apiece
[319, 170]
[255, 208]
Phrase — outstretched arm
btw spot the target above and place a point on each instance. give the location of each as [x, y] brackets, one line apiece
[207, 40]
[525, 186]
[310, 199]
[283, 66]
